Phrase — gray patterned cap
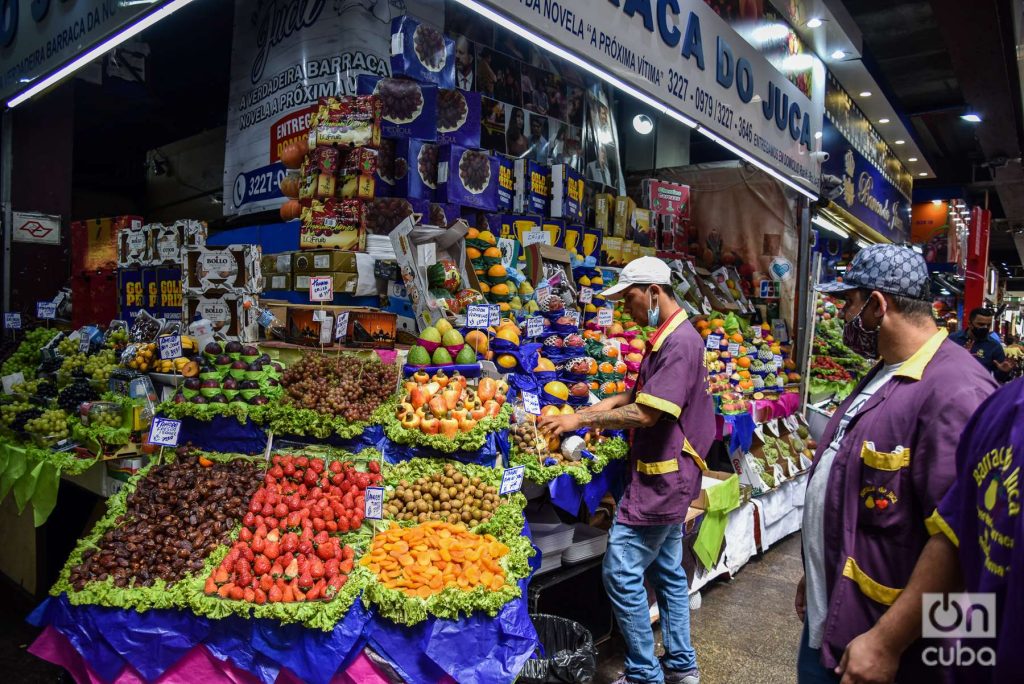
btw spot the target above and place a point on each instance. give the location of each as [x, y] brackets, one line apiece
[891, 269]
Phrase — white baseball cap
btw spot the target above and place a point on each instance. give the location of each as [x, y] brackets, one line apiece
[646, 270]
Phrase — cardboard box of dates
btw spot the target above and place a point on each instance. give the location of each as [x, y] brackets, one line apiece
[408, 108]
[467, 177]
[228, 314]
[422, 52]
[231, 268]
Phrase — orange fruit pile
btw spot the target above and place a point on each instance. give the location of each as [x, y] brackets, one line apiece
[423, 560]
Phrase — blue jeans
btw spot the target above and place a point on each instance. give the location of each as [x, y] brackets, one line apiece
[809, 669]
[658, 551]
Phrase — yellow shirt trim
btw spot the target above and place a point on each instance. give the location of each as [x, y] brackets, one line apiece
[936, 524]
[688, 449]
[658, 467]
[663, 405]
[875, 591]
[670, 326]
[884, 460]
[913, 367]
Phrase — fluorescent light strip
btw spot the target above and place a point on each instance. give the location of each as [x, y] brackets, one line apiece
[107, 45]
[829, 225]
[625, 87]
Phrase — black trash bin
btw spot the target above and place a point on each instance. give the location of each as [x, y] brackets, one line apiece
[567, 653]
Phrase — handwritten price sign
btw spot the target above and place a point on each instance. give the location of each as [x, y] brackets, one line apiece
[512, 480]
[534, 326]
[586, 295]
[321, 289]
[531, 402]
[604, 317]
[164, 432]
[12, 321]
[478, 316]
[170, 346]
[373, 508]
[341, 326]
[46, 310]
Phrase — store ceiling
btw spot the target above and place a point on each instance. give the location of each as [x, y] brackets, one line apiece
[939, 59]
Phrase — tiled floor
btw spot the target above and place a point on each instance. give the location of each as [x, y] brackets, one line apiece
[746, 631]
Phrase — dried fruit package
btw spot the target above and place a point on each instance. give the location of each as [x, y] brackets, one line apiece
[358, 167]
[350, 120]
[422, 52]
[408, 108]
[458, 117]
[506, 183]
[333, 224]
[566, 193]
[318, 174]
[467, 177]
[384, 213]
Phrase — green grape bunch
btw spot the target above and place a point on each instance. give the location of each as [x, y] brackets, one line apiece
[53, 424]
[9, 412]
[26, 357]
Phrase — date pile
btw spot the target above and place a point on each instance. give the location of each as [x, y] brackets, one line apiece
[285, 552]
[175, 518]
[343, 386]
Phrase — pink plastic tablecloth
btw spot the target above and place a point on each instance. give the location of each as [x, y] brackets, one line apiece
[198, 666]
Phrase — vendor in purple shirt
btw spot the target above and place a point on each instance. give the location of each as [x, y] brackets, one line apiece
[673, 425]
[884, 462]
[977, 547]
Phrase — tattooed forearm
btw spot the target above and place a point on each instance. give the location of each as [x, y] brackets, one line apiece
[628, 416]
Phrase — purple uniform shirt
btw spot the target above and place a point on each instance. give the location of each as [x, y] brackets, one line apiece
[981, 514]
[894, 464]
[666, 459]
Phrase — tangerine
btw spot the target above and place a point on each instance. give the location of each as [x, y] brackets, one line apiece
[492, 252]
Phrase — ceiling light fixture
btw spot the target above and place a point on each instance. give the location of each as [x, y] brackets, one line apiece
[883, 121]
[912, 159]
[971, 117]
[814, 22]
[900, 142]
[937, 201]
[642, 124]
[105, 46]
[838, 54]
[922, 174]
[865, 93]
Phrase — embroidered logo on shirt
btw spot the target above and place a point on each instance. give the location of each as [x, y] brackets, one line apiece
[998, 483]
[878, 498]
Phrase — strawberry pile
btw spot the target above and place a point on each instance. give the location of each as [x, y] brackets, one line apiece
[285, 551]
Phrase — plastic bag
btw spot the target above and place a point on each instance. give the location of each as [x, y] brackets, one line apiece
[569, 650]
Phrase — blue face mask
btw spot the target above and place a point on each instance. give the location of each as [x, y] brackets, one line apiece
[653, 313]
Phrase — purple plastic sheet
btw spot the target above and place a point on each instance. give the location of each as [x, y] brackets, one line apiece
[477, 648]
[76, 624]
[231, 641]
[223, 434]
[313, 655]
[742, 431]
[566, 493]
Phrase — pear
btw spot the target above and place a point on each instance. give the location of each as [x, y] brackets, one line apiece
[418, 356]
[443, 326]
[431, 334]
[452, 337]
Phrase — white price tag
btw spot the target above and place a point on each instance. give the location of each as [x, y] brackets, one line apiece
[605, 317]
[706, 306]
[759, 431]
[773, 426]
[531, 402]
[729, 368]
[164, 432]
[757, 332]
[542, 292]
[512, 480]
[341, 326]
[791, 424]
[373, 506]
[170, 346]
[536, 237]
[713, 342]
[734, 348]
[586, 295]
[46, 310]
[534, 326]
[84, 343]
[573, 315]
[320, 315]
[778, 360]
[478, 315]
[326, 329]
[12, 321]
[494, 317]
[11, 380]
[321, 288]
